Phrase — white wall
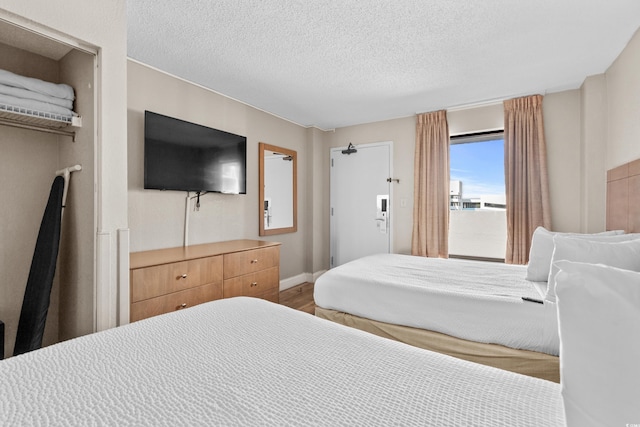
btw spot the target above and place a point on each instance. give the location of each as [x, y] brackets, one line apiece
[476, 119]
[317, 208]
[623, 106]
[594, 153]
[76, 265]
[561, 113]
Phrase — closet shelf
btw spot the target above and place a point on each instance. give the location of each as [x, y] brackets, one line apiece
[38, 120]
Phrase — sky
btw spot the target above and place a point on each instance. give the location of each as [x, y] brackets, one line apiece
[480, 167]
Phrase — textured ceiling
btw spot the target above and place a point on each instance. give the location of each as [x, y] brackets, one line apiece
[336, 63]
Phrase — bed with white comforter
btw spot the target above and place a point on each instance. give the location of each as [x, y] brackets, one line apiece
[245, 361]
[484, 312]
[472, 300]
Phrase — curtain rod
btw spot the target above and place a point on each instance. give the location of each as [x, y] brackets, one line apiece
[476, 105]
[477, 134]
[466, 106]
[480, 104]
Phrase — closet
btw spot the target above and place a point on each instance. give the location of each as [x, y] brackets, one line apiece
[32, 150]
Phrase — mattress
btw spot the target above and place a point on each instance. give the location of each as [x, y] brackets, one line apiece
[472, 300]
[244, 361]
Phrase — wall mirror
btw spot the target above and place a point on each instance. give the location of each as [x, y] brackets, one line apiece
[278, 188]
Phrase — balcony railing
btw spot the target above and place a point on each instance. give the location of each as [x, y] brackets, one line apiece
[478, 233]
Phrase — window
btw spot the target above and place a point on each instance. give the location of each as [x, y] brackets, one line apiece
[477, 225]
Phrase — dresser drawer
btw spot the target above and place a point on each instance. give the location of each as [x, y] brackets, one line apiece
[239, 263]
[175, 301]
[253, 284]
[164, 280]
[150, 282]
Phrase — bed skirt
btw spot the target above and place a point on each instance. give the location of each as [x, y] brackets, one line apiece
[531, 363]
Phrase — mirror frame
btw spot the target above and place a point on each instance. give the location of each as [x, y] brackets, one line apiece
[262, 147]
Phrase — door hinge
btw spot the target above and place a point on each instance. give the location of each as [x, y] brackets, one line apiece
[331, 162]
[331, 260]
[331, 211]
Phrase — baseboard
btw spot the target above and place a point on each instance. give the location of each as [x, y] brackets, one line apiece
[293, 281]
[290, 282]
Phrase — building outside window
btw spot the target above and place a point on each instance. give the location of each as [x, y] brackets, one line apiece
[478, 224]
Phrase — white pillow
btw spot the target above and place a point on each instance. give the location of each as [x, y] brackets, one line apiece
[542, 249]
[599, 324]
[615, 254]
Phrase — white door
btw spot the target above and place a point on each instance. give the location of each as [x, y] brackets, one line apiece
[360, 198]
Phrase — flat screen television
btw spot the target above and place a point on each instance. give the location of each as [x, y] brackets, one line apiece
[184, 156]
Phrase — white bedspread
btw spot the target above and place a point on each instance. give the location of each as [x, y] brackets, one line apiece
[248, 362]
[472, 300]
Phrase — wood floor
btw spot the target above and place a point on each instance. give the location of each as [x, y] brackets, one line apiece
[299, 297]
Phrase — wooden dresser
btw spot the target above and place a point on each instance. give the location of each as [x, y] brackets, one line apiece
[166, 280]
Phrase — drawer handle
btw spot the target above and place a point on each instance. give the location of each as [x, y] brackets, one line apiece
[181, 306]
[254, 284]
[254, 261]
[184, 276]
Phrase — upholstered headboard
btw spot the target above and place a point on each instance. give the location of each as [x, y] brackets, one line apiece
[623, 197]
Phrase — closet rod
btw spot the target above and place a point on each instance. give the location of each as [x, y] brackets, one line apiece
[38, 128]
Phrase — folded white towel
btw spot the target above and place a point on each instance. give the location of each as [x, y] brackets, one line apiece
[59, 90]
[35, 106]
[28, 94]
